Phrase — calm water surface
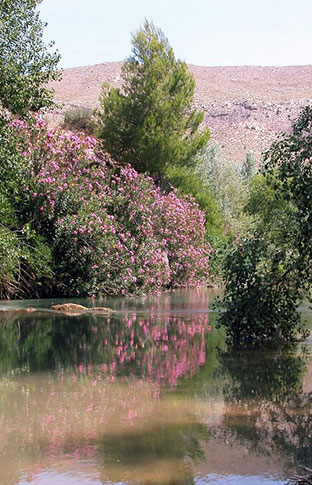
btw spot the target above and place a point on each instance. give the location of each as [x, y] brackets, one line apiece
[149, 395]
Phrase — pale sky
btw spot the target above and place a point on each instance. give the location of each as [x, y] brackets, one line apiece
[202, 32]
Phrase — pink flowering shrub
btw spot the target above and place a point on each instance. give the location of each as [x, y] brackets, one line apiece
[112, 230]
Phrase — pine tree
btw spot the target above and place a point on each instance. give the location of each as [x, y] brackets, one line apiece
[150, 122]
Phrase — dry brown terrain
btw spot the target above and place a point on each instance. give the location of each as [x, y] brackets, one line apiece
[245, 107]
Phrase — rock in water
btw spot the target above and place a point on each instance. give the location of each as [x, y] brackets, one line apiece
[65, 307]
[72, 307]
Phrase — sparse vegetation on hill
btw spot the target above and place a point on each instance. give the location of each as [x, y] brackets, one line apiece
[245, 107]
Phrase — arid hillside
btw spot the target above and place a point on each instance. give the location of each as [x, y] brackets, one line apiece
[245, 107]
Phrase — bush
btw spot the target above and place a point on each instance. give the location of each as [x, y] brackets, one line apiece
[25, 264]
[79, 119]
[111, 229]
[188, 183]
[25, 258]
[227, 183]
[261, 297]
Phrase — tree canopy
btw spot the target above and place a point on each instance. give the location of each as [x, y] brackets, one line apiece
[150, 122]
[269, 272]
[26, 63]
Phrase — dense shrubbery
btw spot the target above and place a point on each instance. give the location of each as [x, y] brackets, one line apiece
[79, 118]
[269, 272]
[226, 182]
[109, 228]
[188, 183]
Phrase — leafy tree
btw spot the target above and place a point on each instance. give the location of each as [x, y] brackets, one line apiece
[261, 295]
[270, 272]
[209, 164]
[25, 66]
[25, 61]
[149, 122]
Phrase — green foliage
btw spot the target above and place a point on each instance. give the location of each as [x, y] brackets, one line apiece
[25, 61]
[268, 274]
[225, 181]
[25, 263]
[149, 122]
[79, 119]
[269, 213]
[13, 166]
[25, 258]
[9, 259]
[248, 169]
[188, 183]
[261, 295]
[209, 164]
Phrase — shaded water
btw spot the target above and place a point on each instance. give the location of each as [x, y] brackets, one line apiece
[149, 395]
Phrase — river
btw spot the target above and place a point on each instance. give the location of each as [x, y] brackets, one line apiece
[148, 395]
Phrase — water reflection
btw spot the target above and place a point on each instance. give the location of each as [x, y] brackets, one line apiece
[146, 397]
[90, 386]
[158, 349]
[266, 406]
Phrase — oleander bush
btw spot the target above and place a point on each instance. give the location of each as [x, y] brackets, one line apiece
[109, 228]
[187, 182]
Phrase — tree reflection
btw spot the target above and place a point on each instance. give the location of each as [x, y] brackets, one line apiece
[157, 446]
[267, 408]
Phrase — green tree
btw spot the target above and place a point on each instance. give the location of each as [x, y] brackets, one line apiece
[25, 66]
[150, 122]
[270, 272]
[25, 61]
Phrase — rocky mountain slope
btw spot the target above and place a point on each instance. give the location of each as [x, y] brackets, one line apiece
[245, 107]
